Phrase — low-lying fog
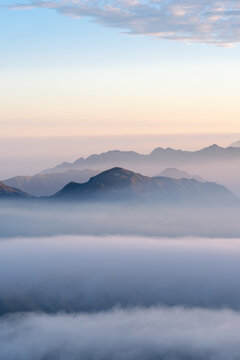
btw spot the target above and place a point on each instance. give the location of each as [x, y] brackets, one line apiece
[82, 273]
[37, 219]
[115, 282]
[119, 297]
[98, 273]
[156, 333]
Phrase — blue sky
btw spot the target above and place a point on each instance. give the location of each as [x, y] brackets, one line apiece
[42, 37]
[63, 75]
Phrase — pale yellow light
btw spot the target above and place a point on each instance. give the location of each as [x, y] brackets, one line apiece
[95, 101]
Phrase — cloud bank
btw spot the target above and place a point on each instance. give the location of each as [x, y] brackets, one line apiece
[119, 298]
[155, 333]
[36, 219]
[209, 22]
[88, 274]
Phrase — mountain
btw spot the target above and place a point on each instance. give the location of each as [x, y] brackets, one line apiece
[215, 163]
[118, 184]
[165, 156]
[8, 192]
[179, 174]
[236, 144]
[49, 184]
[105, 160]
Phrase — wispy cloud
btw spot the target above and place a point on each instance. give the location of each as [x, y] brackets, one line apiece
[204, 21]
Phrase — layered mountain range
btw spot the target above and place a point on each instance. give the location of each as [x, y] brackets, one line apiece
[49, 184]
[214, 163]
[158, 157]
[69, 180]
[118, 184]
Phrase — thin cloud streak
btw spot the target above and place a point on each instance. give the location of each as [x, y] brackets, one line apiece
[208, 22]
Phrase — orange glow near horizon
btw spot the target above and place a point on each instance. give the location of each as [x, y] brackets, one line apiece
[95, 101]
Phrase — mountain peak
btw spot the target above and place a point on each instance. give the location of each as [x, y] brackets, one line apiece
[116, 176]
[213, 147]
[116, 171]
[119, 184]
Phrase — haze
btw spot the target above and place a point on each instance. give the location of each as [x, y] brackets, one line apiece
[119, 180]
[172, 306]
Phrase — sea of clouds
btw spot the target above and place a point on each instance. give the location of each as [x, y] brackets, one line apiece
[110, 282]
[45, 219]
[120, 334]
[119, 297]
[88, 274]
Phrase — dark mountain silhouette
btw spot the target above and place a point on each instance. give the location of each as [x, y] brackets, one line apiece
[49, 184]
[8, 192]
[215, 163]
[179, 174]
[118, 184]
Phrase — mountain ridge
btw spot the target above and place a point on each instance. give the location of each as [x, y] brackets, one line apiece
[48, 184]
[214, 163]
[118, 184]
[179, 174]
[213, 152]
[8, 192]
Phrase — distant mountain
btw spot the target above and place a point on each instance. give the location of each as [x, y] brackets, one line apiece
[105, 160]
[215, 163]
[8, 192]
[49, 184]
[119, 184]
[164, 156]
[236, 144]
[179, 174]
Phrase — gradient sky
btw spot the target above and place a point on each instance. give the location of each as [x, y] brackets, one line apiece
[85, 68]
[62, 75]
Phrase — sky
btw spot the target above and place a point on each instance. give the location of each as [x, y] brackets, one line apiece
[134, 69]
